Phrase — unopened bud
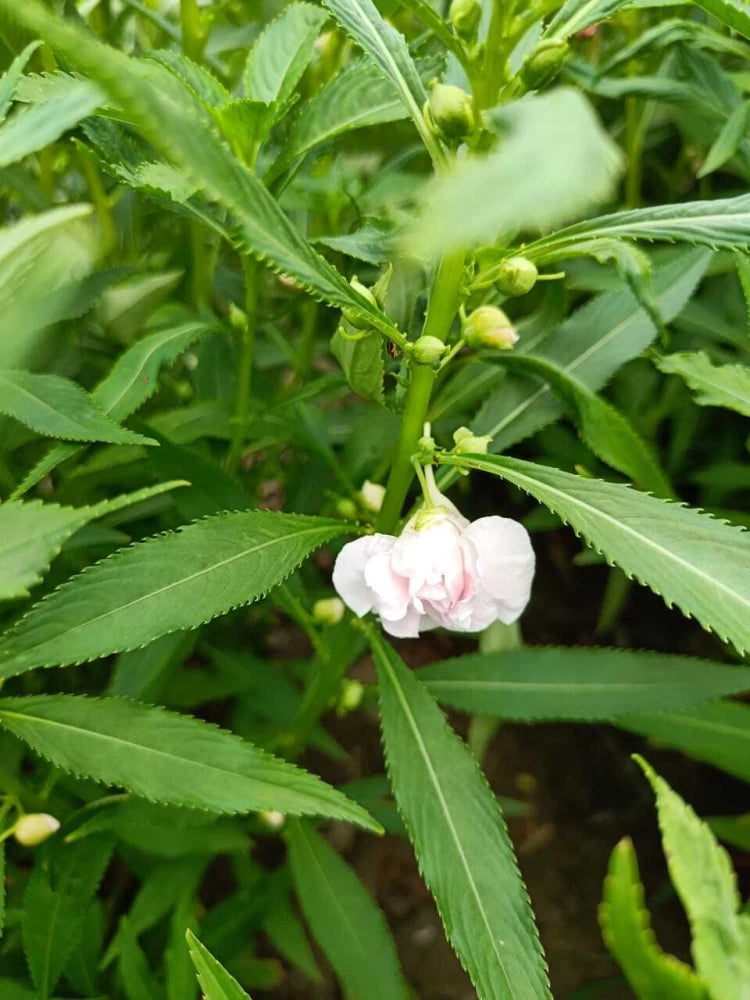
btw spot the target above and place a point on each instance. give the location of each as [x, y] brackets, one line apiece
[350, 696]
[517, 276]
[328, 611]
[469, 443]
[35, 828]
[351, 315]
[544, 63]
[449, 113]
[347, 508]
[272, 818]
[428, 350]
[488, 326]
[237, 317]
[465, 16]
[372, 496]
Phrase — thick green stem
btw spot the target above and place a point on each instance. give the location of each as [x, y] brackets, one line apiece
[441, 311]
[192, 33]
[247, 351]
[487, 83]
[201, 265]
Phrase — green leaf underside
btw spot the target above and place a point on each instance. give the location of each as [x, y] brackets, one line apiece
[344, 919]
[626, 929]
[713, 385]
[173, 581]
[31, 534]
[582, 684]
[459, 837]
[180, 130]
[690, 559]
[57, 407]
[216, 983]
[168, 758]
[701, 871]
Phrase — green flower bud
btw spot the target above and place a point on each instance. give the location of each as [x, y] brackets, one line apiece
[372, 496]
[517, 276]
[488, 326]
[273, 819]
[543, 65]
[428, 350]
[449, 113]
[328, 611]
[350, 314]
[34, 828]
[347, 508]
[350, 697]
[465, 16]
[468, 443]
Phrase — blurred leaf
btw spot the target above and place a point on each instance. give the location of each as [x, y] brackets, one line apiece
[9, 79]
[37, 126]
[362, 362]
[135, 974]
[734, 830]
[575, 15]
[168, 758]
[285, 931]
[459, 837]
[720, 385]
[726, 142]
[734, 13]
[344, 919]
[281, 53]
[547, 682]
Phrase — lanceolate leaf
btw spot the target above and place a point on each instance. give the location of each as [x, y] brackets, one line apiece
[457, 830]
[734, 13]
[168, 758]
[214, 979]
[31, 534]
[344, 919]
[173, 581]
[9, 79]
[57, 407]
[179, 130]
[575, 15]
[626, 929]
[687, 557]
[280, 54]
[590, 684]
[713, 385]
[702, 873]
[39, 125]
[721, 223]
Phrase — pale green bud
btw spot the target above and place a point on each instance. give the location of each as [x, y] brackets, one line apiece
[328, 611]
[517, 276]
[449, 113]
[347, 508]
[465, 16]
[428, 350]
[350, 696]
[372, 496]
[34, 828]
[350, 314]
[544, 63]
[272, 818]
[488, 326]
[468, 443]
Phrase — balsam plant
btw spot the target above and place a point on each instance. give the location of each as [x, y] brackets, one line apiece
[271, 287]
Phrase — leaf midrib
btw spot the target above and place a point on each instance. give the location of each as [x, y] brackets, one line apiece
[56, 413]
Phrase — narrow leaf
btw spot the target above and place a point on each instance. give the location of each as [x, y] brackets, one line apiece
[578, 683]
[458, 833]
[281, 52]
[727, 141]
[9, 79]
[734, 13]
[214, 979]
[344, 919]
[687, 557]
[713, 385]
[37, 126]
[170, 582]
[168, 758]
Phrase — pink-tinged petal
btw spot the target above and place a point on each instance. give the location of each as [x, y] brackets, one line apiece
[391, 590]
[349, 571]
[407, 627]
[504, 564]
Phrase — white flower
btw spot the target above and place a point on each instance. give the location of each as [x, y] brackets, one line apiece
[443, 570]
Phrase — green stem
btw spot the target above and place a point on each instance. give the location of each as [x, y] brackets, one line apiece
[192, 33]
[487, 82]
[247, 351]
[201, 266]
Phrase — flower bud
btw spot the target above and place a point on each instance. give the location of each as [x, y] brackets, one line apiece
[517, 276]
[449, 113]
[328, 611]
[351, 315]
[372, 496]
[488, 326]
[350, 696]
[544, 63]
[428, 350]
[468, 443]
[465, 16]
[34, 828]
[272, 818]
[347, 508]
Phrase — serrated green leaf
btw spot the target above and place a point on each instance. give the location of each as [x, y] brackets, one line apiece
[37, 126]
[602, 427]
[178, 128]
[31, 534]
[626, 929]
[742, 263]
[701, 872]
[173, 581]
[9, 79]
[214, 979]
[55, 906]
[281, 53]
[718, 734]
[388, 50]
[461, 209]
[458, 833]
[363, 363]
[724, 222]
[344, 919]
[196, 77]
[168, 758]
[686, 557]
[713, 385]
[57, 407]
[548, 682]
[575, 15]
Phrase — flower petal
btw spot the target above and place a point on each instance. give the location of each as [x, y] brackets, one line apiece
[349, 571]
[504, 564]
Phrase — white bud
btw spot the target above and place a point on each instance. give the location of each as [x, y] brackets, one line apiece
[372, 496]
[35, 828]
[272, 818]
[328, 611]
